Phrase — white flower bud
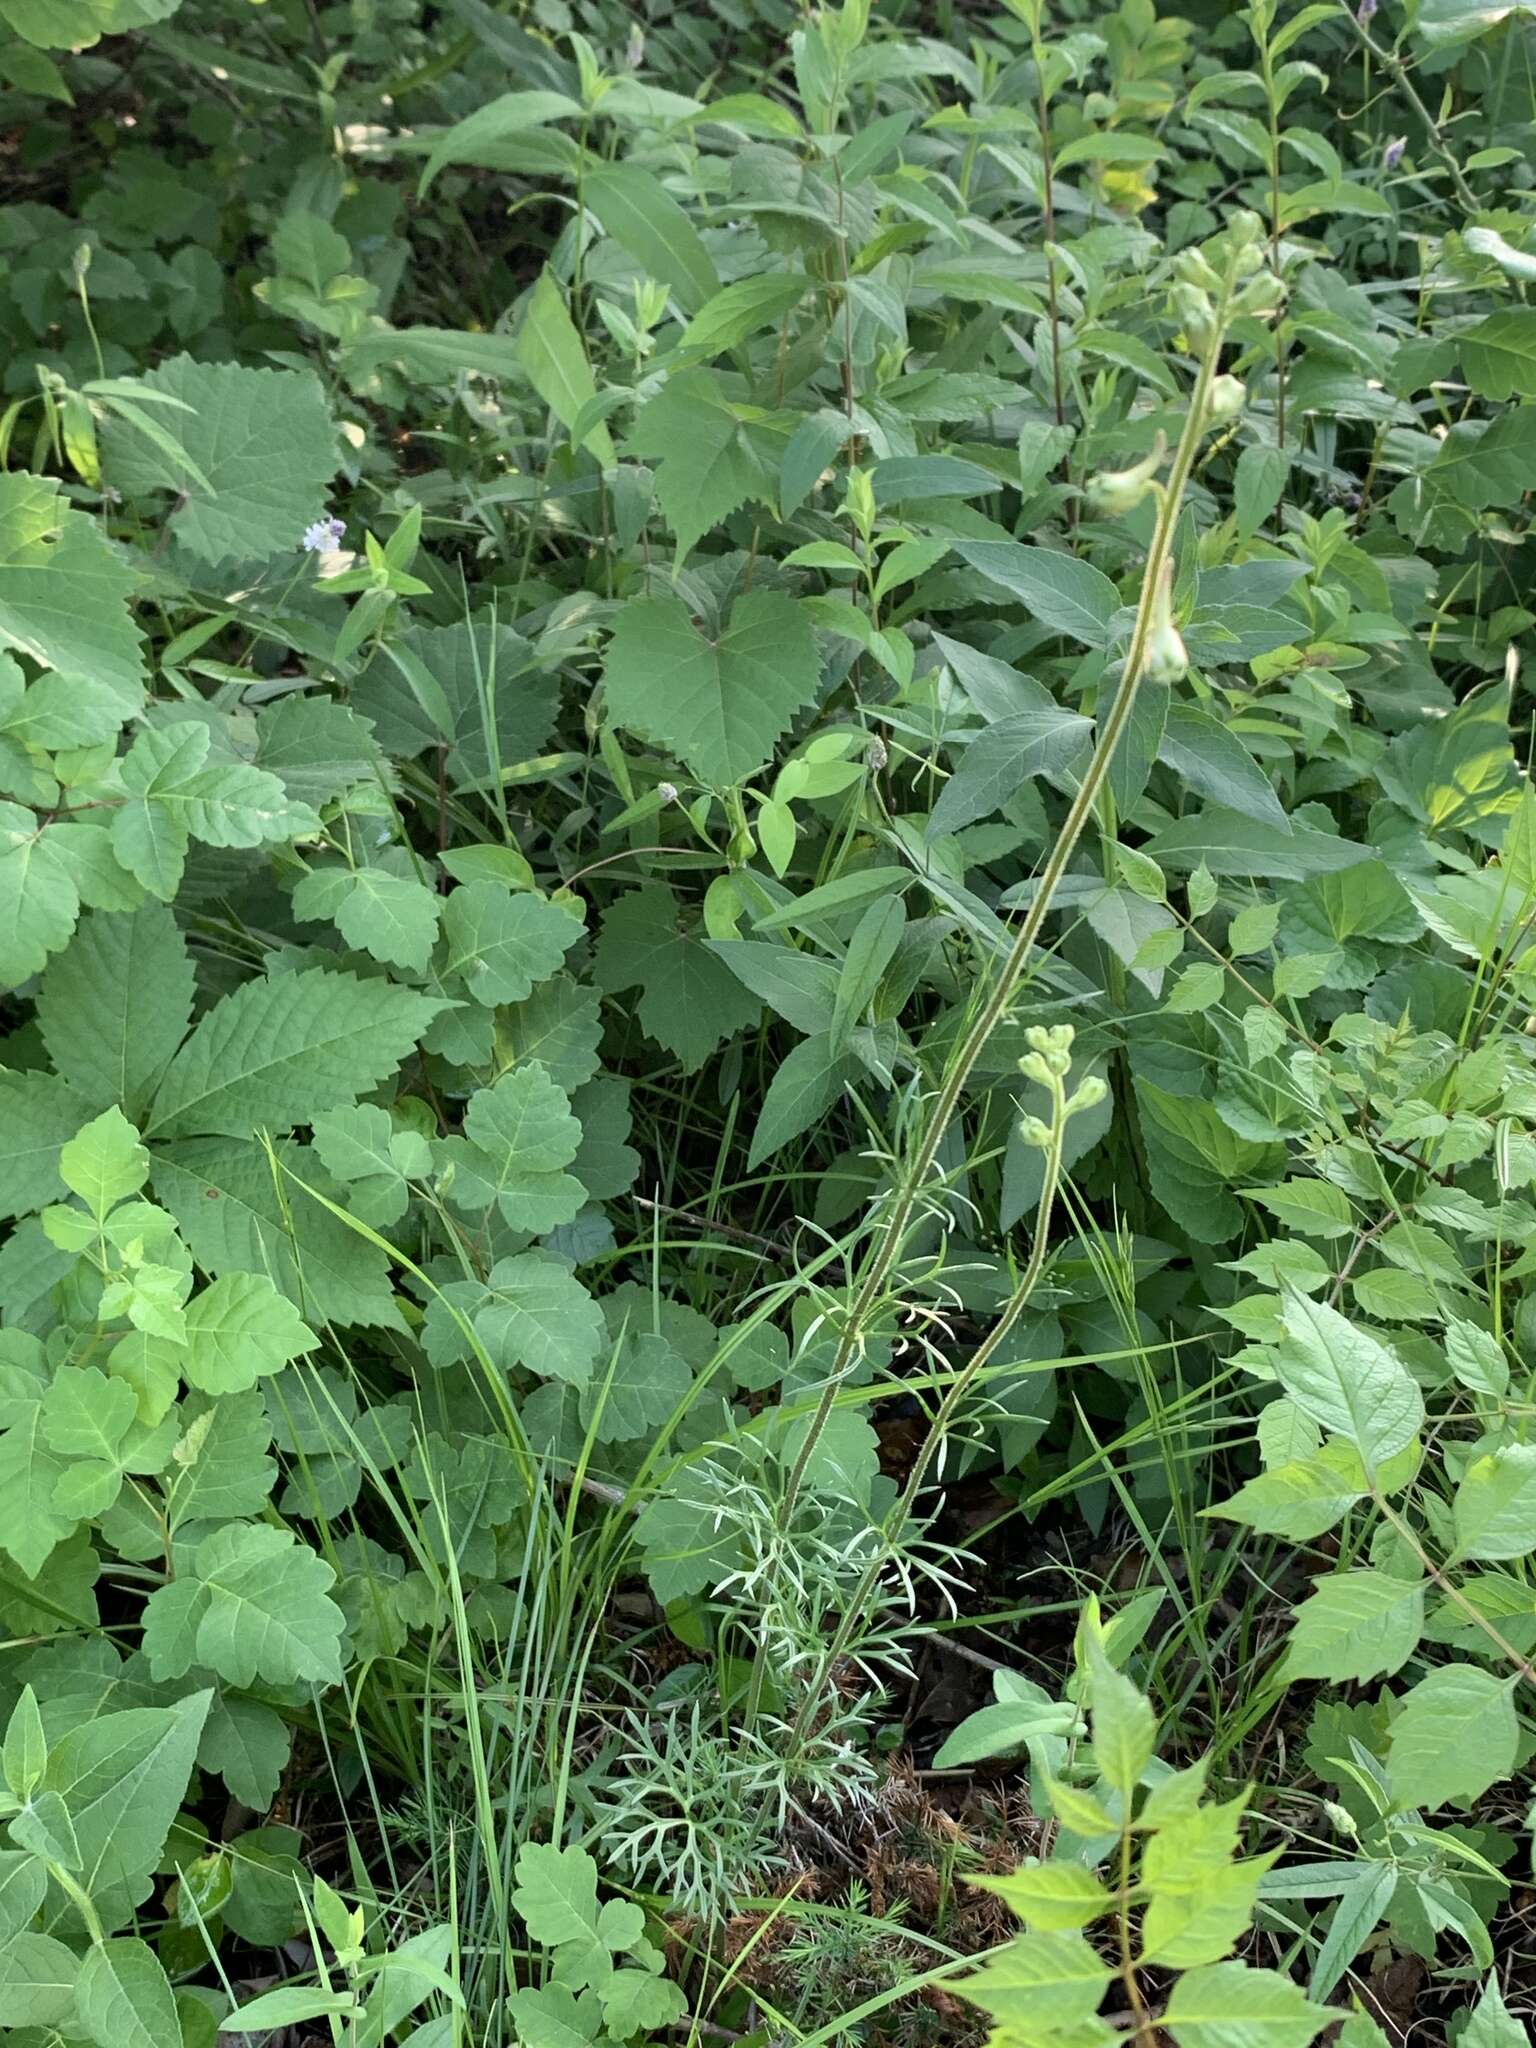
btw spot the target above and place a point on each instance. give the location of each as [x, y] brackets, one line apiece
[1114, 492]
[1034, 1132]
[1228, 397]
[1167, 658]
[1090, 1092]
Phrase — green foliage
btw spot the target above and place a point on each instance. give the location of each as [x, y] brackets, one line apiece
[610, 622]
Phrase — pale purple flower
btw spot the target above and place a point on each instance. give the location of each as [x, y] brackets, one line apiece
[323, 536]
[1366, 10]
[1392, 155]
[667, 791]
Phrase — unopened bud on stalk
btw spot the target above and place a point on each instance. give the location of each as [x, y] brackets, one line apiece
[1034, 1132]
[1193, 310]
[1090, 1092]
[1114, 492]
[1190, 266]
[1166, 660]
[1244, 228]
[1053, 1043]
[1262, 295]
[1228, 397]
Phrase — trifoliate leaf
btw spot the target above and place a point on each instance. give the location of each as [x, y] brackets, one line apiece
[385, 911]
[220, 1469]
[500, 944]
[646, 1383]
[1456, 1735]
[258, 449]
[238, 1328]
[605, 1165]
[518, 1136]
[86, 1414]
[251, 1604]
[537, 1314]
[471, 1487]
[39, 893]
[363, 1148]
[175, 796]
[689, 999]
[317, 748]
[717, 705]
[64, 592]
[116, 1004]
[560, 1026]
[104, 1163]
[281, 1049]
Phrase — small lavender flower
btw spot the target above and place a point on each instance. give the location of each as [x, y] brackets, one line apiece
[1392, 155]
[323, 536]
[667, 791]
[1366, 10]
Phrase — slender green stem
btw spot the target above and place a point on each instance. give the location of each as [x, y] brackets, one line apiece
[1397, 71]
[896, 1521]
[1006, 986]
[893, 1232]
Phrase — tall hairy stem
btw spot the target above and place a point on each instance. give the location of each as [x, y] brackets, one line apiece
[896, 1521]
[905, 1196]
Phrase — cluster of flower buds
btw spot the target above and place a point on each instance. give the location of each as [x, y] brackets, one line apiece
[1199, 288]
[1048, 1061]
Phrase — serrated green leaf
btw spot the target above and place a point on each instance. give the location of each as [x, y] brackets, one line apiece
[500, 945]
[175, 795]
[281, 1049]
[116, 1004]
[537, 1314]
[1456, 1735]
[519, 1136]
[1229, 2005]
[391, 915]
[1356, 1625]
[258, 449]
[253, 1603]
[122, 1777]
[716, 705]
[238, 1328]
[64, 593]
[689, 999]
[1347, 1380]
[125, 1999]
